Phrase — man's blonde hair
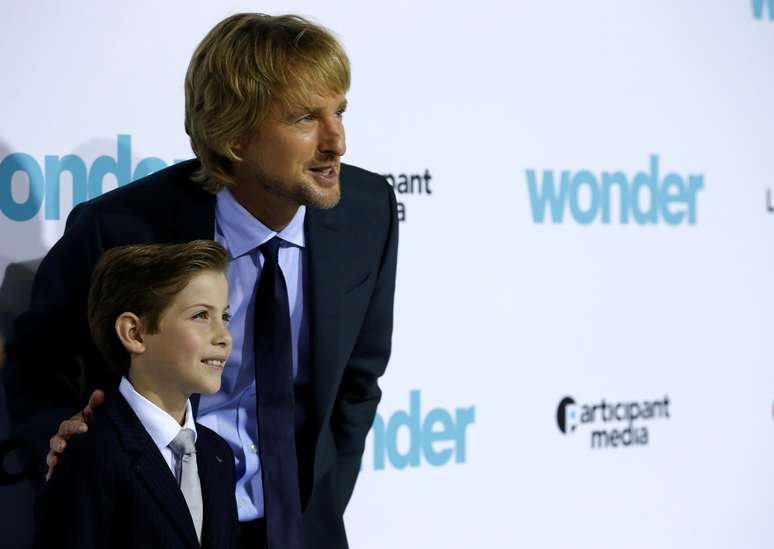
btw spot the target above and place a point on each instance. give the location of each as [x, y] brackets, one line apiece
[246, 64]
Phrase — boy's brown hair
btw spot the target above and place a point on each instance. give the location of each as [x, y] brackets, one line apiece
[143, 279]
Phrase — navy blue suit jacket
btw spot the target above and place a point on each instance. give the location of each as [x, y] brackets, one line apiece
[112, 488]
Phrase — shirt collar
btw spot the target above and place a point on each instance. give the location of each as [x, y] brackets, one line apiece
[243, 233]
[161, 426]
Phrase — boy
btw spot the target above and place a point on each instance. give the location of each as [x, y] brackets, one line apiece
[158, 315]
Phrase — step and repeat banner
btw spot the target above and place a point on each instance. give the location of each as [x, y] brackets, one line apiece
[584, 308]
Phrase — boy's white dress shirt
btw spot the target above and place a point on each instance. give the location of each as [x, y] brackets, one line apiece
[161, 426]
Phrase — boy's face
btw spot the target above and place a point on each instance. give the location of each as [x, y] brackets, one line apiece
[190, 348]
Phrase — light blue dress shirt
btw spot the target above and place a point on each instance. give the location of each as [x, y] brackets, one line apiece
[231, 412]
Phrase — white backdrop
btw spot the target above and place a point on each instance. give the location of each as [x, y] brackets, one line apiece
[500, 316]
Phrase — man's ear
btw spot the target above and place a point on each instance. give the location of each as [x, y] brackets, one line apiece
[129, 331]
[236, 148]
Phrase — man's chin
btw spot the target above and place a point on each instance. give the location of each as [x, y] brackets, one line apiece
[323, 199]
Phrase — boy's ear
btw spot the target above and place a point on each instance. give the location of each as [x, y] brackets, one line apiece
[129, 331]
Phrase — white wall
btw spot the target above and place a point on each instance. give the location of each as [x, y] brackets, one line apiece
[499, 317]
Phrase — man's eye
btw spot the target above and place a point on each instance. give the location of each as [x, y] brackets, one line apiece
[306, 118]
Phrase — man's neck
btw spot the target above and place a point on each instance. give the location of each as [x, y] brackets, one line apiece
[274, 211]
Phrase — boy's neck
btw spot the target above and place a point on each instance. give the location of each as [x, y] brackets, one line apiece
[172, 401]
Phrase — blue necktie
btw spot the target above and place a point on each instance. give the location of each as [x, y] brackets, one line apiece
[276, 406]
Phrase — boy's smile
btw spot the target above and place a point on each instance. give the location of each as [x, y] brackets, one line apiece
[188, 352]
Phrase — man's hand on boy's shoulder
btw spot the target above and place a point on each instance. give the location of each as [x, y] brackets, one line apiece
[74, 426]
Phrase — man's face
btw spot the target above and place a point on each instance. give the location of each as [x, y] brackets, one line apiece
[295, 155]
[188, 352]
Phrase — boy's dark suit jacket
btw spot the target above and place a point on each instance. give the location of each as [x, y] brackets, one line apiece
[113, 489]
[351, 258]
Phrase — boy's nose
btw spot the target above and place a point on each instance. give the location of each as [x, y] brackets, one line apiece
[223, 337]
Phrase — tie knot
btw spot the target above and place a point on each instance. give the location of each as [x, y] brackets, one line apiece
[270, 249]
[183, 443]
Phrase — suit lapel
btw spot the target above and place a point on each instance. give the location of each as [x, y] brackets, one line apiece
[215, 530]
[327, 277]
[150, 467]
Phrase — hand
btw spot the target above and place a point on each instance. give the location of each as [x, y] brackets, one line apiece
[75, 425]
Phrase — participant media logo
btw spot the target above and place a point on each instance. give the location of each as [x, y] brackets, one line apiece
[612, 424]
[409, 184]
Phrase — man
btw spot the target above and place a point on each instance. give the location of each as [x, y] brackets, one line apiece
[312, 245]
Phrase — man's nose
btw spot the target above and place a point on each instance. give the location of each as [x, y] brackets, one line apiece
[332, 138]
